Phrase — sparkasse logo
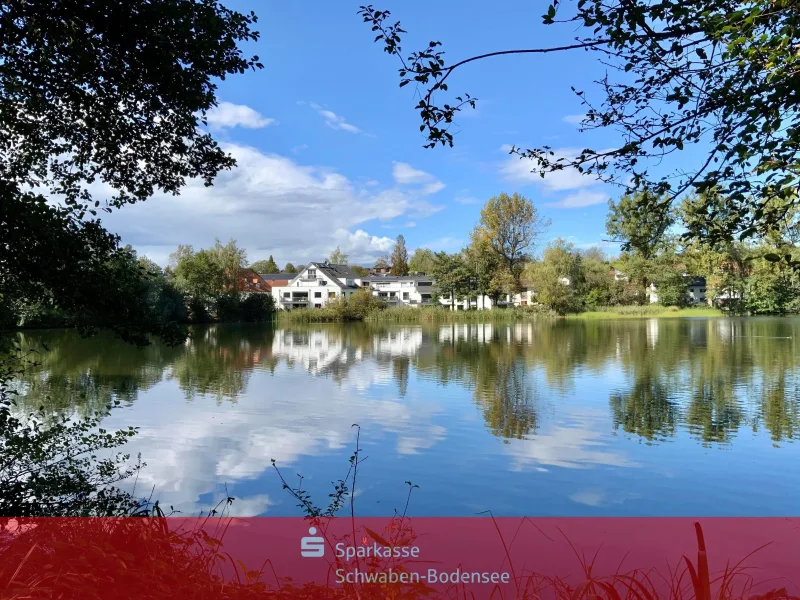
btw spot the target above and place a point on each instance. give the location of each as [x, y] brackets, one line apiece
[312, 546]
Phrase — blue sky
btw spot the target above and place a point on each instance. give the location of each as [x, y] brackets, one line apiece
[330, 151]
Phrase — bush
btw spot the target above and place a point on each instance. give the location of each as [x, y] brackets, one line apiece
[363, 303]
[198, 310]
[257, 308]
[49, 467]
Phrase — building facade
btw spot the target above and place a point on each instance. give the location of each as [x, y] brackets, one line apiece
[407, 290]
[317, 284]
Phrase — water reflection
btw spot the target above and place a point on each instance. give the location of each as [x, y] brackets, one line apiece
[558, 396]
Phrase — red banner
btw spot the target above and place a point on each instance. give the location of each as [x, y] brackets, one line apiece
[374, 558]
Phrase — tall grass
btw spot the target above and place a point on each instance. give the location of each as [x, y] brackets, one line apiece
[648, 311]
[442, 314]
[436, 314]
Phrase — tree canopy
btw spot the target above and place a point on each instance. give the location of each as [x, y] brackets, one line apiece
[82, 100]
[338, 257]
[400, 257]
[266, 266]
[422, 261]
[718, 75]
[512, 226]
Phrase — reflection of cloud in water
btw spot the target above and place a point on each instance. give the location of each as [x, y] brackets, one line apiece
[191, 452]
[573, 446]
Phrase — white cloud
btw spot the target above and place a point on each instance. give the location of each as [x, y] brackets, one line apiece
[227, 115]
[580, 199]
[574, 119]
[467, 200]
[410, 224]
[335, 121]
[299, 148]
[405, 174]
[270, 204]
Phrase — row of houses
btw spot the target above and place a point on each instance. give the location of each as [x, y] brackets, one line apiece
[319, 283]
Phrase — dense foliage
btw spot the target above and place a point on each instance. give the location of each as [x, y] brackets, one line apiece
[81, 102]
[49, 464]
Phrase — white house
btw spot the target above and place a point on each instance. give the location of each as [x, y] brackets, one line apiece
[316, 285]
[695, 290]
[406, 290]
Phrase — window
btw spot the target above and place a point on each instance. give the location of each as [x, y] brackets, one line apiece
[317, 294]
[405, 295]
[311, 274]
[331, 294]
[426, 297]
[703, 290]
[392, 294]
[286, 294]
[318, 306]
[423, 283]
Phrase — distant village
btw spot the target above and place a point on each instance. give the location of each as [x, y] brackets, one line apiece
[318, 283]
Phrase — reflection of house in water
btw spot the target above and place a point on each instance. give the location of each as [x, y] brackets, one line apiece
[401, 342]
[652, 332]
[521, 333]
[698, 333]
[317, 351]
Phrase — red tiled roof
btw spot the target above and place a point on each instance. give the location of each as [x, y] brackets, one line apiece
[251, 282]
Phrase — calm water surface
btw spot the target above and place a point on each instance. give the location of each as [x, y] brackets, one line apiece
[650, 417]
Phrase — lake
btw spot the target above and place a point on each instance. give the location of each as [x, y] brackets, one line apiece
[564, 417]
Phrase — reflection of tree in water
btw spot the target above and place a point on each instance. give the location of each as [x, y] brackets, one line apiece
[711, 376]
[86, 374]
[645, 410]
[507, 400]
[218, 360]
[497, 372]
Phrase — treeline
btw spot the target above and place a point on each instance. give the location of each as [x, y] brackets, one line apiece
[759, 276]
[197, 287]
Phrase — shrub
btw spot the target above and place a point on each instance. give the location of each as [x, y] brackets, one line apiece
[49, 467]
[257, 308]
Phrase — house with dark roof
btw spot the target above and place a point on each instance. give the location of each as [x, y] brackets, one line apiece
[317, 284]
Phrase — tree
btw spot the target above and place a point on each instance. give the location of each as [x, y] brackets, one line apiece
[359, 270]
[382, 262]
[400, 257]
[231, 260]
[599, 282]
[558, 278]
[452, 276]
[422, 261]
[483, 264]
[338, 257]
[639, 222]
[266, 266]
[512, 225]
[289, 268]
[714, 74]
[91, 115]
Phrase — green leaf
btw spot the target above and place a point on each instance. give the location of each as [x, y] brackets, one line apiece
[772, 257]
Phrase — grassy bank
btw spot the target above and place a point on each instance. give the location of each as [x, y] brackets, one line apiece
[653, 311]
[444, 315]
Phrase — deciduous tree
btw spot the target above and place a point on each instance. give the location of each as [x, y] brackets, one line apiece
[125, 107]
[512, 226]
[266, 266]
